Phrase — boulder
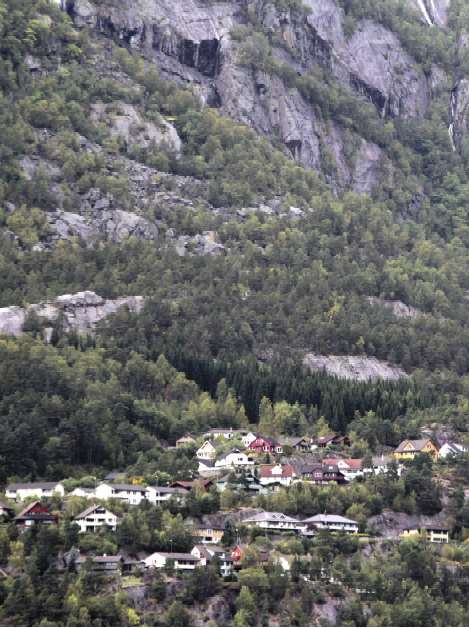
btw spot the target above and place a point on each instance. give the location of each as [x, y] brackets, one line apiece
[358, 368]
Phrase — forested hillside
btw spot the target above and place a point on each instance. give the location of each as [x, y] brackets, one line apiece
[276, 179]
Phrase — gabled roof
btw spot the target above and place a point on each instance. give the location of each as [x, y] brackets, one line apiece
[91, 510]
[417, 445]
[189, 484]
[269, 471]
[127, 487]
[329, 519]
[32, 485]
[176, 556]
[353, 464]
[292, 441]
[26, 512]
[270, 516]
[167, 489]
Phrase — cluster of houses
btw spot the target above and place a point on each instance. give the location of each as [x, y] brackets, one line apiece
[238, 468]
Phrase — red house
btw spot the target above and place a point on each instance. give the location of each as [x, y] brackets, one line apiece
[266, 446]
[35, 514]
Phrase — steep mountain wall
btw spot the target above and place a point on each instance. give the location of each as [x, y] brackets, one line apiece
[192, 42]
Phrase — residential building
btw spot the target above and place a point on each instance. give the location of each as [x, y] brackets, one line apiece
[206, 467]
[451, 449]
[206, 451]
[131, 494]
[276, 473]
[274, 521]
[265, 445]
[104, 565]
[79, 491]
[432, 534]
[323, 474]
[35, 514]
[298, 443]
[185, 441]
[234, 458]
[207, 553]
[209, 534]
[22, 490]
[94, 518]
[332, 439]
[198, 483]
[331, 522]
[238, 553]
[178, 561]
[408, 449]
[351, 468]
[162, 494]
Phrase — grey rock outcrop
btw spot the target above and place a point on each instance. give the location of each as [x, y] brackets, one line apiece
[358, 368]
[191, 42]
[80, 312]
[126, 123]
[108, 225]
[398, 308]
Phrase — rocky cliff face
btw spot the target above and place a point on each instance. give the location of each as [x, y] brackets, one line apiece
[355, 368]
[191, 42]
[79, 312]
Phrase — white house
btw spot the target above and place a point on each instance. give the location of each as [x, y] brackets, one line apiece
[79, 491]
[95, 517]
[161, 494]
[234, 458]
[129, 493]
[21, 491]
[276, 521]
[331, 522]
[206, 451]
[451, 449]
[180, 562]
[248, 438]
[276, 474]
[206, 553]
[351, 468]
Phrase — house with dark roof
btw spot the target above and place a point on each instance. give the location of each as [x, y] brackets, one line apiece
[20, 491]
[162, 494]
[94, 518]
[129, 493]
[35, 514]
[198, 483]
[350, 467]
[322, 474]
[207, 553]
[297, 443]
[332, 439]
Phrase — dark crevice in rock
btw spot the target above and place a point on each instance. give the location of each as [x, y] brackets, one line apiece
[377, 98]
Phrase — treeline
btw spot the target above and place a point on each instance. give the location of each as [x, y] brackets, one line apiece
[338, 400]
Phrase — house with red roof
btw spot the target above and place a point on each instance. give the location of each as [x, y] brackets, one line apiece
[276, 474]
[265, 445]
[35, 514]
[350, 467]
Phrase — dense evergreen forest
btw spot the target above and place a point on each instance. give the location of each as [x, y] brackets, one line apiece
[221, 339]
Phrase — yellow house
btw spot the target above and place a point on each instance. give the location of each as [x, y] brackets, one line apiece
[408, 449]
[432, 534]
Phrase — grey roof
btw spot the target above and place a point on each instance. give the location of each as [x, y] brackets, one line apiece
[129, 487]
[416, 444]
[90, 510]
[329, 519]
[31, 485]
[101, 559]
[167, 489]
[271, 516]
[178, 556]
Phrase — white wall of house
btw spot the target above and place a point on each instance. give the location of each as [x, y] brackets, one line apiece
[100, 518]
[206, 451]
[21, 494]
